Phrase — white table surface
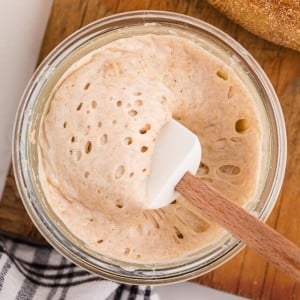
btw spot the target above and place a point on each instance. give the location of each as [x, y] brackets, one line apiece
[22, 26]
[192, 291]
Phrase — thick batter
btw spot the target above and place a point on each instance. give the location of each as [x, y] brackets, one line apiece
[98, 134]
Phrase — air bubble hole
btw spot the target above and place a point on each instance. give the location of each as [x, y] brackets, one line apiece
[138, 102]
[103, 139]
[87, 85]
[119, 203]
[88, 147]
[145, 129]
[178, 233]
[119, 172]
[222, 74]
[128, 140]
[203, 169]
[230, 169]
[132, 113]
[144, 149]
[242, 125]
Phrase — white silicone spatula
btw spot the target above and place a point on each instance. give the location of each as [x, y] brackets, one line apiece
[177, 151]
[176, 156]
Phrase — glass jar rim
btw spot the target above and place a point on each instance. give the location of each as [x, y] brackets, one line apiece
[22, 170]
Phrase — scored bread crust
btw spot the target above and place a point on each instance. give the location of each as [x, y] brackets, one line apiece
[274, 20]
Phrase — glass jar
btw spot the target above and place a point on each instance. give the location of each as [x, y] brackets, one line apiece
[91, 37]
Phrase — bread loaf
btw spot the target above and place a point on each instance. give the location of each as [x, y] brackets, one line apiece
[277, 21]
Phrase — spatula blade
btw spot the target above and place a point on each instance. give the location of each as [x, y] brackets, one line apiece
[177, 151]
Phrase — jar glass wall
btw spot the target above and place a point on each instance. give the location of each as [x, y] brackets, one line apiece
[91, 37]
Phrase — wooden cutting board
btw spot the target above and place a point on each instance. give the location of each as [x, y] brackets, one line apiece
[247, 274]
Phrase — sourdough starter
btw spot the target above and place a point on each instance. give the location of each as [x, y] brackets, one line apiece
[98, 134]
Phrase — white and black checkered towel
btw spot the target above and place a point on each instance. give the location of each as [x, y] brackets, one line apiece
[34, 271]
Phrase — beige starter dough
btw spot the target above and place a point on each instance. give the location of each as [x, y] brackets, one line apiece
[98, 134]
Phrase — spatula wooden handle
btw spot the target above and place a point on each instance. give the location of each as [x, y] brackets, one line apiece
[255, 234]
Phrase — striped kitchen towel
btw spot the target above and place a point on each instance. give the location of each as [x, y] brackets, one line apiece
[34, 271]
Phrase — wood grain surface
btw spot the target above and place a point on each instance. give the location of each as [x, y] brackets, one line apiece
[247, 274]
